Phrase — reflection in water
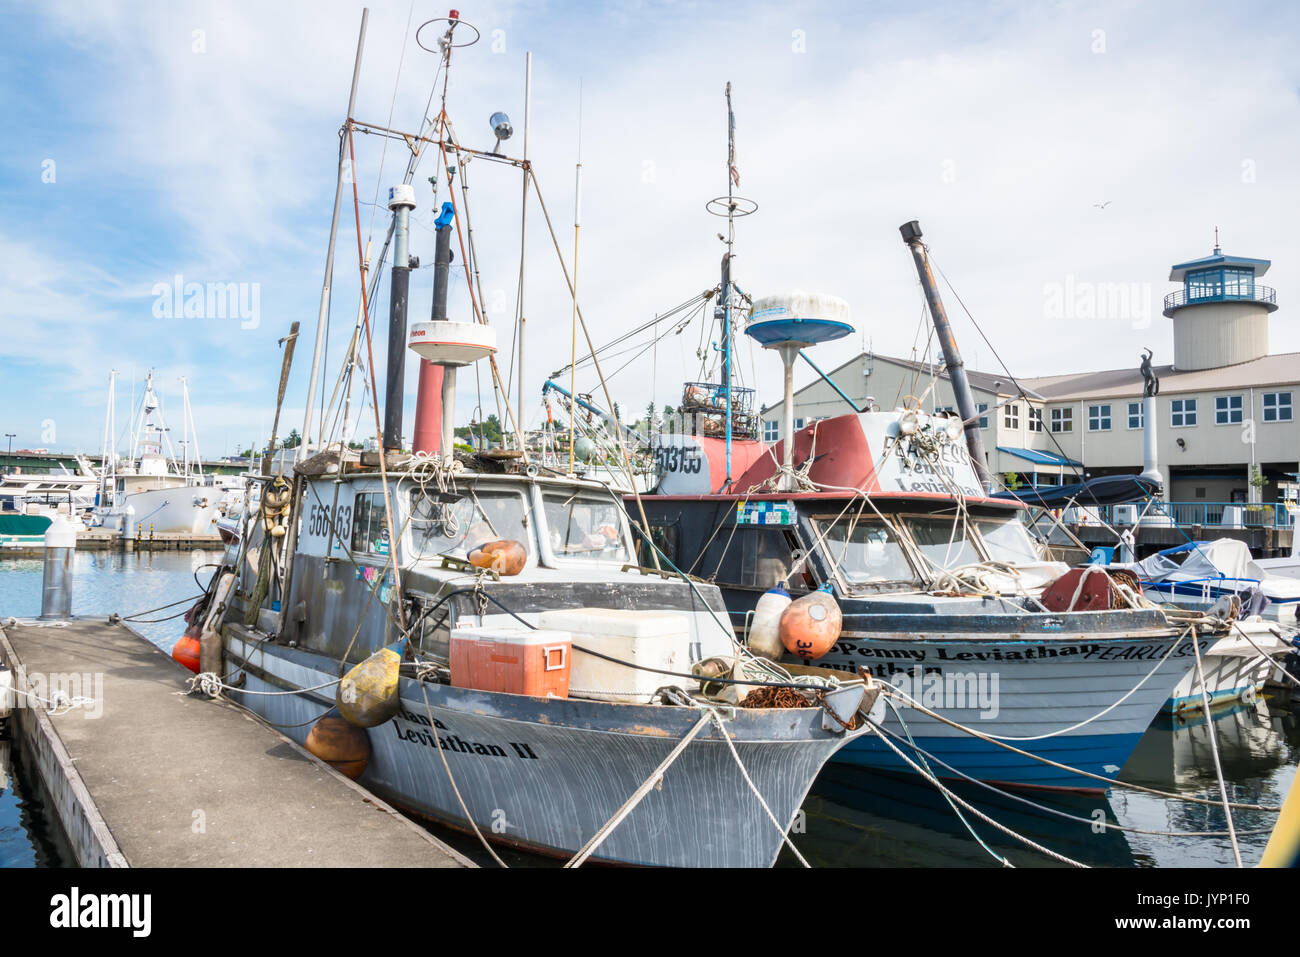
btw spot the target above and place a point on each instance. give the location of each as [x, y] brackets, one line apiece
[856, 818]
[29, 834]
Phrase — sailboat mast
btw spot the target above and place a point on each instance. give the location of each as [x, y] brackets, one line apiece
[323, 315]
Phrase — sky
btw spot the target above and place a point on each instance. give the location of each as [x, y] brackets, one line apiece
[1059, 157]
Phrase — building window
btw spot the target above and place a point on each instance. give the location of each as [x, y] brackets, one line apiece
[1227, 409]
[771, 431]
[1277, 407]
[1182, 412]
[1099, 418]
[798, 424]
[1135, 415]
[984, 419]
[1011, 416]
[1035, 419]
[1062, 420]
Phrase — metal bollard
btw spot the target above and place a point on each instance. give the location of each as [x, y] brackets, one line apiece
[60, 550]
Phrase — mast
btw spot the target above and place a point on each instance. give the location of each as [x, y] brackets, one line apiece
[108, 465]
[732, 176]
[323, 314]
[966, 408]
[523, 228]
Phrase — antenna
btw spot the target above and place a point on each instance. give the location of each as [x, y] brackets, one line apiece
[731, 206]
[577, 216]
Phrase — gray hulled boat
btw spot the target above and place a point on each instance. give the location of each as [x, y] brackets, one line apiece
[640, 756]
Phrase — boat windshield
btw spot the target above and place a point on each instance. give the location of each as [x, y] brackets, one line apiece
[942, 541]
[866, 551]
[586, 526]
[456, 523]
[1007, 540]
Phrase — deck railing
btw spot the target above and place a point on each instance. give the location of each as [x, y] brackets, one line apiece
[1185, 514]
[1176, 300]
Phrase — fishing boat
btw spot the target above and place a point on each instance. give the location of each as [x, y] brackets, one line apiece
[1006, 666]
[547, 692]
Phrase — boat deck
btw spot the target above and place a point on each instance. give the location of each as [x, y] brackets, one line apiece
[145, 777]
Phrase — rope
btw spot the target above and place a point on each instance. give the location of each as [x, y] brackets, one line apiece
[1214, 749]
[974, 810]
[1056, 811]
[451, 778]
[1074, 727]
[150, 611]
[748, 780]
[209, 683]
[886, 690]
[630, 804]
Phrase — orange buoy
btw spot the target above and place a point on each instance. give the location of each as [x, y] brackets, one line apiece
[504, 556]
[186, 651]
[341, 745]
[811, 625]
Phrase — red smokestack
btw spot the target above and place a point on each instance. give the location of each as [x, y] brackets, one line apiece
[428, 409]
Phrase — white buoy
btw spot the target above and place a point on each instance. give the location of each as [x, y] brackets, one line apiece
[60, 550]
[765, 628]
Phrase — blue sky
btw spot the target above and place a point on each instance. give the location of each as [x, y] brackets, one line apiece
[137, 149]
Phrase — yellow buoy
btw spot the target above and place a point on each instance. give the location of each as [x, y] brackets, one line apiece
[367, 696]
[341, 745]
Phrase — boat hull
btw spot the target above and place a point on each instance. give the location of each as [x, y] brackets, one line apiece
[546, 775]
[1041, 695]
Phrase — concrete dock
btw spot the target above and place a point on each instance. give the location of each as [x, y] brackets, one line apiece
[143, 777]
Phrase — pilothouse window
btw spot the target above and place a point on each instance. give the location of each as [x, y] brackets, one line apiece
[454, 524]
[585, 526]
[866, 551]
[942, 541]
[1008, 541]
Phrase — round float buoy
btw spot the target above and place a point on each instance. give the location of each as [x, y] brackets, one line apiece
[765, 627]
[367, 695]
[341, 745]
[810, 626]
[504, 556]
[186, 651]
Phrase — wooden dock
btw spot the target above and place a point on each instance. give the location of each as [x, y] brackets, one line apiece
[141, 776]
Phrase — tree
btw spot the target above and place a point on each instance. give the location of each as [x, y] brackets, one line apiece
[291, 441]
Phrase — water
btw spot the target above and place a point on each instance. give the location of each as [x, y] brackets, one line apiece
[879, 820]
[852, 818]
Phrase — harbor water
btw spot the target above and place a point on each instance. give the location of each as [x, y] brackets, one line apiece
[852, 818]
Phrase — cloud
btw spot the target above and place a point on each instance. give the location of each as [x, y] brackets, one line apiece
[997, 127]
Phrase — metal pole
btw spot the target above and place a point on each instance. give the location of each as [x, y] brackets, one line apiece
[951, 356]
[56, 586]
[523, 230]
[323, 314]
[789, 351]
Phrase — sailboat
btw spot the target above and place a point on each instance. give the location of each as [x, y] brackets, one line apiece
[547, 692]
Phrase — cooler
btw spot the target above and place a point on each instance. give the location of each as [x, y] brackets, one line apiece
[511, 660]
[660, 640]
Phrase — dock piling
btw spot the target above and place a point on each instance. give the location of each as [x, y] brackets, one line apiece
[60, 549]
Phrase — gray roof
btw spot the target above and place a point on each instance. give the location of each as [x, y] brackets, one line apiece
[1280, 369]
[982, 381]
